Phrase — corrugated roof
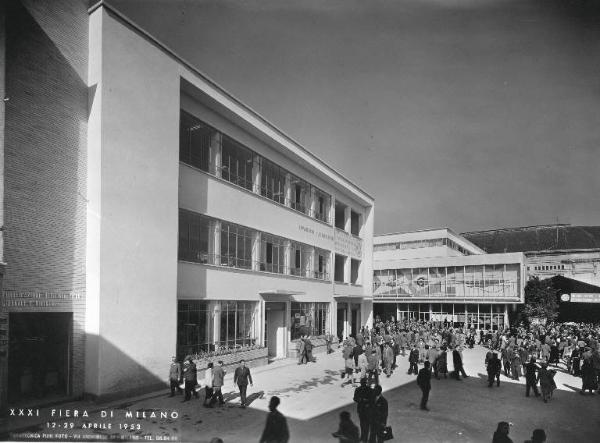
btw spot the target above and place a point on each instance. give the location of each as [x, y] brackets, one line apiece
[536, 238]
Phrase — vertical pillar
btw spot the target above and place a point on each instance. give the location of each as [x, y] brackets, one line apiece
[347, 222]
[287, 257]
[256, 173]
[505, 315]
[261, 321]
[347, 269]
[256, 251]
[214, 245]
[216, 154]
[287, 190]
[312, 209]
[216, 332]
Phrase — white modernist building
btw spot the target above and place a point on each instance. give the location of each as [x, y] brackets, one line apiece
[437, 275]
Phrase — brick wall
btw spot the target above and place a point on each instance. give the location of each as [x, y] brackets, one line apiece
[45, 157]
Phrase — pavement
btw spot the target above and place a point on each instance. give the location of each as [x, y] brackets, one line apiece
[312, 398]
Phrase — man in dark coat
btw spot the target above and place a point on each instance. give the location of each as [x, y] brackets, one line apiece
[424, 382]
[494, 367]
[363, 396]
[276, 428]
[174, 376]
[458, 364]
[241, 377]
[413, 360]
[190, 378]
[531, 378]
[379, 416]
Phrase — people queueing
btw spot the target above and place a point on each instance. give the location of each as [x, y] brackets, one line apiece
[424, 382]
[242, 377]
[347, 431]
[494, 367]
[174, 376]
[378, 416]
[363, 397]
[276, 428]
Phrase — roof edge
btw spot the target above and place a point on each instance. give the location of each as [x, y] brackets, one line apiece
[195, 70]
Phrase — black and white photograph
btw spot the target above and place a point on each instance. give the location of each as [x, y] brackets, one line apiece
[281, 221]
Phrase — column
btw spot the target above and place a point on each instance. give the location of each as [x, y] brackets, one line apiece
[505, 315]
[347, 222]
[256, 173]
[256, 251]
[216, 312]
[287, 257]
[312, 209]
[287, 190]
[331, 215]
[214, 243]
[216, 154]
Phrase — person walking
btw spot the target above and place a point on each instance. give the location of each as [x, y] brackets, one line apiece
[276, 428]
[189, 377]
[208, 384]
[588, 377]
[241, 377]
[348, 355]
[413, 360]
[174, 376]
[218, 377]
[379, 416]
[546, 379]
[301, 350]
[363, 397]
[388, 359]
[531, 378]
[458, 364]
[442, 363]
[424, 382]
[347, 431]
[494, 368]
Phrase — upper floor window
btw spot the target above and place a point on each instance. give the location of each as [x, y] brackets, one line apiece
[340, 215]
[236, 246]
[354, 268]
[236, 163]
[272, 182]
[340, 262]
[272, 254]
[322, 206]
[354, 223]
[194, 234]
[195, 138]
[300, 195]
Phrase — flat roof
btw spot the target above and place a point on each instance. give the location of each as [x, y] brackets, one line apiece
[132, 24]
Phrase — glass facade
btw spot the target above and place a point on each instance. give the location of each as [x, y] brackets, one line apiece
[426, 243]
[309, 318]
[196, 332]
[480, 281]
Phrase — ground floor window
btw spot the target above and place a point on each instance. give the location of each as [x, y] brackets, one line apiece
[309, 318]
[204, 326]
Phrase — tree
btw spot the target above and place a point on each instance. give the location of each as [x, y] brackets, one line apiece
[540, 301]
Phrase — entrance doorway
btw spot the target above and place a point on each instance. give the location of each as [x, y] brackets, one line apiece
[341, 321]
[275, 330]
[354, 323]
[39, 355]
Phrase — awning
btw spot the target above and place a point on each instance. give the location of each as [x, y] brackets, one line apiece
[349, 298]
[279, 294]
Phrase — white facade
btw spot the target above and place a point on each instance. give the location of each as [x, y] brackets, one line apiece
[141, 193]
[581, 265]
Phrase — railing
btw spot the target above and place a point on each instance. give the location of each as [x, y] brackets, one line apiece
[231, 261]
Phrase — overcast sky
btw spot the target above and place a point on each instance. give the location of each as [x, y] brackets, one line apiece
[470, 114]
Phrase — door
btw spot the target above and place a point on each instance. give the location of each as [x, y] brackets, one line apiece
[341, 320]
[354, 325]
[276, 333]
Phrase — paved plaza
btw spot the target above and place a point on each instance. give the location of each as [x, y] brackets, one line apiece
[312, 398]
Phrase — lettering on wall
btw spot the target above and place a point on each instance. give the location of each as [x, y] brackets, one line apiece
[348, 244]
[26, 299]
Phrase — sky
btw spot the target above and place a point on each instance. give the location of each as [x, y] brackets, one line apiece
[468, 114]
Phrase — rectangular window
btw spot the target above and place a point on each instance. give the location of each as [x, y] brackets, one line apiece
[340, 215]
[237, 324]
[309, 319]
[192, 328]
[195, 138]
[354, 223]
[322, 265]
[272, 183]
[273, 253]
[322, 205]
[236, 246]
[340, 261]
[300, 195]
[354, 267]
[194, 232]
[236, 163]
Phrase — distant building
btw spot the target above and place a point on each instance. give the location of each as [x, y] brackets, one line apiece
[437, 275]
[550, 250]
